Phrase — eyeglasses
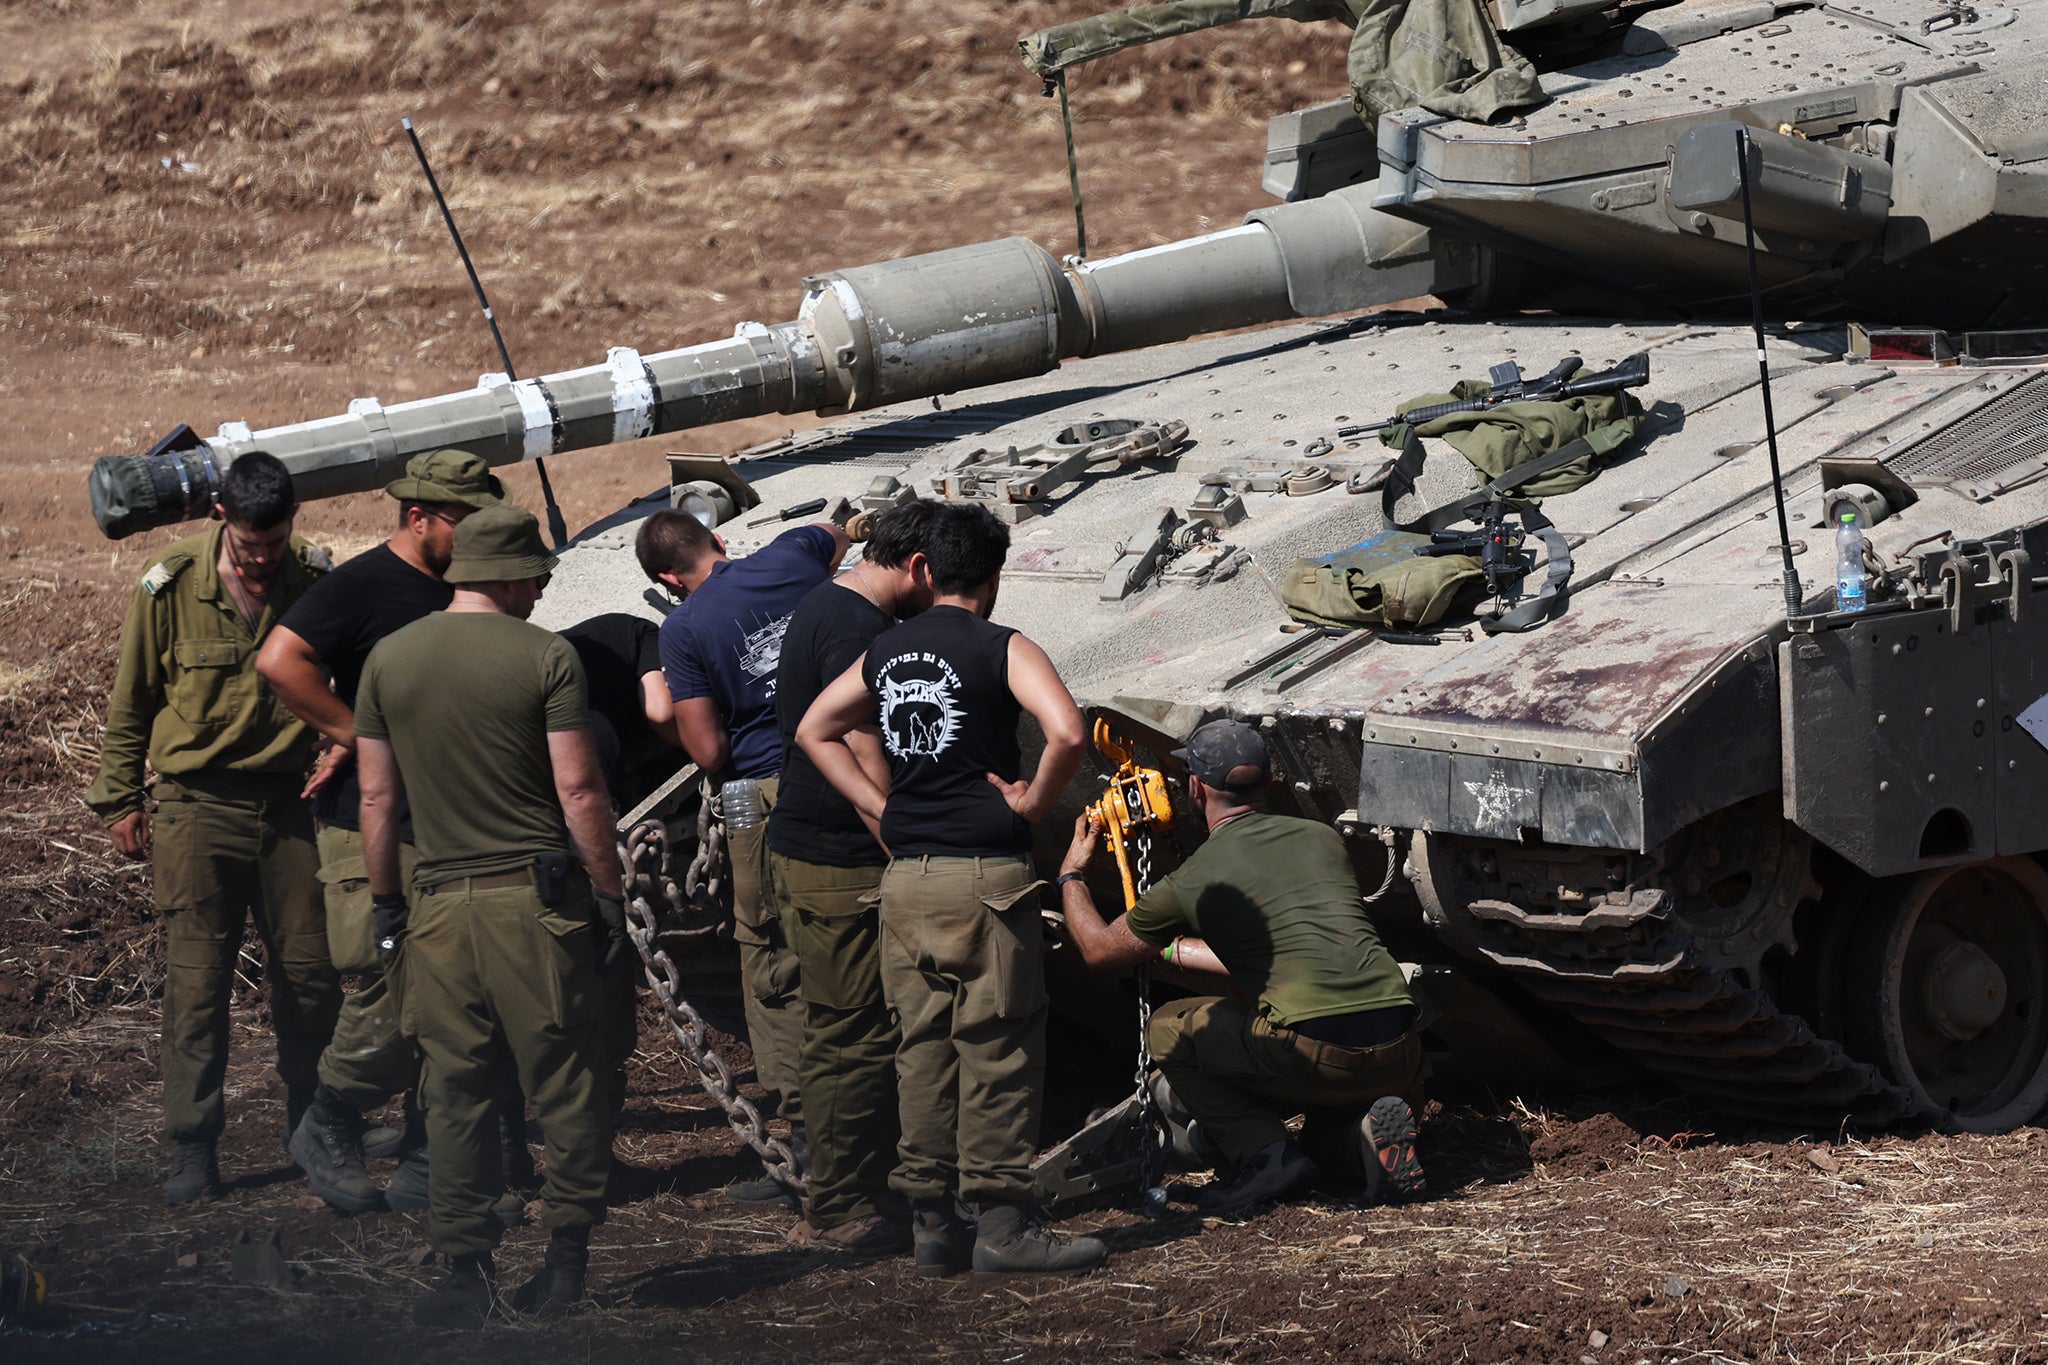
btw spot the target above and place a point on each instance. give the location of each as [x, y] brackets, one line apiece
[541, 584]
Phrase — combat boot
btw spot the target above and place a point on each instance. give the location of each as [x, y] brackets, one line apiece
[767, 1188]
[297, 1100]
[328, 1147]
[1277, 1171]
[1011, 1239]
[558, 1287]
[1386, 1147]
[464, 1296]
[195, 1173]
[941, 1237]
[406, 1191]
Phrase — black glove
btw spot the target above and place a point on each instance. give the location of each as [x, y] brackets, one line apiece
[388, 915]
[611, 912]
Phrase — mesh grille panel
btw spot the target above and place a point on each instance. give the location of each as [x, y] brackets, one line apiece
[2000, 446]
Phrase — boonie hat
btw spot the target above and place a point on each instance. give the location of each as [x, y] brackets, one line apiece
[1223, 748]
[501, 543]
[448, 476]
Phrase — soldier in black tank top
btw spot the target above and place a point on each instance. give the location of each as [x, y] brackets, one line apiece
[942, 681]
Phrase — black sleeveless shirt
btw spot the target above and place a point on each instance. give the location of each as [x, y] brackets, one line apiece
[942, 681]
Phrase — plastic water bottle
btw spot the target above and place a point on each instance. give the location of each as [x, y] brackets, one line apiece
[741, 801]
[1850, 580]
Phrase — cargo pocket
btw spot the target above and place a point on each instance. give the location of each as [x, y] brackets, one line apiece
[575, 985]
[210, 687]
[182, 870]
[1016, 952]
[351, 924]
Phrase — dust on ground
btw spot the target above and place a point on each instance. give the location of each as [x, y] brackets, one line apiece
[209, 213]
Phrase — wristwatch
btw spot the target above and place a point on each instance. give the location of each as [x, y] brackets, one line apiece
[1066, 877]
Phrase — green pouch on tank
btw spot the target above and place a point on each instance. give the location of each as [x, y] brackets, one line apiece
[1527, 451]
[1381, 582]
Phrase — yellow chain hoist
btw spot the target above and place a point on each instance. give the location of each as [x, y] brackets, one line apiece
[1131, 809]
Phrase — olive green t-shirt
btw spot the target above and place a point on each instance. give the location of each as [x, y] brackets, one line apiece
[466, 700]
[1275, 898]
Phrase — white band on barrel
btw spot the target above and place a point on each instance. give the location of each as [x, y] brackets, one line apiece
[632, 395]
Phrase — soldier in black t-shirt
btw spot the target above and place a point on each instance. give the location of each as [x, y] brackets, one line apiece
[631, 717]
[827, 868]
[962, 950]
[314, 660]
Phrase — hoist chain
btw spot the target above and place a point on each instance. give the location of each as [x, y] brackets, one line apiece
[657, 905]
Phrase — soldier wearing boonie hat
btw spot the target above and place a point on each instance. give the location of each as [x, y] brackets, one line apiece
[326, 638]
[1271, 900]
[516, 905]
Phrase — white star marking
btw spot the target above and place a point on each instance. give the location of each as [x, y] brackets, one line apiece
[1496, 798]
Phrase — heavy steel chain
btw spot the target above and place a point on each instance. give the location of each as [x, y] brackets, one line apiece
[656, 903]
[1139, 841]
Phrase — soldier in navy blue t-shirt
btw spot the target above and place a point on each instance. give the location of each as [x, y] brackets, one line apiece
[719, 652]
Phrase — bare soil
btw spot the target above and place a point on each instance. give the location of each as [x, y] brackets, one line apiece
[208, 213]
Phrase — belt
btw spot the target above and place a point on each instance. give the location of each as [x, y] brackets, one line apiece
[1337, 1056]
[489, 881]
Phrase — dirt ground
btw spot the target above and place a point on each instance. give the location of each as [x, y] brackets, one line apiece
[208, 213]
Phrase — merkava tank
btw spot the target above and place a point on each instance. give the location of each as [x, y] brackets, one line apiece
[1782, 855]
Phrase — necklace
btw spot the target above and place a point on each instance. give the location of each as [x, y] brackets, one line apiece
[866, 588]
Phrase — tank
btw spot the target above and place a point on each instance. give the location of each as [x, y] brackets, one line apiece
[1786, 858]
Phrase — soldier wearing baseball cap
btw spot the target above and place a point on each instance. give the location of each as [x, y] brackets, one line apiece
[515, 905]
[1272, 901]
[313, 661]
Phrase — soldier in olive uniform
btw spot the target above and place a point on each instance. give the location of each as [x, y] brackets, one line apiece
[231, 836]
[481, 716]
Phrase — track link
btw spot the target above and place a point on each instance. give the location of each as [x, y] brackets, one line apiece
[1659, 967]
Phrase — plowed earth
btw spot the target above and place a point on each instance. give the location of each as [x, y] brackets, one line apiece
[208, 213]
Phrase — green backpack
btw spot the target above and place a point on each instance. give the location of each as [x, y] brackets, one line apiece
[1528, 451]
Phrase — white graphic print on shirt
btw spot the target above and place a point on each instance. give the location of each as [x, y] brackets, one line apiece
[761, 651]
[919, 714]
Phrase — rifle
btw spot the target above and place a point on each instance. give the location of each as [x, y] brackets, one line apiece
[1497, 545]
[1510, 387]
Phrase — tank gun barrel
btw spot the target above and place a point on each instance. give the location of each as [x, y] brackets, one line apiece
[864, 337]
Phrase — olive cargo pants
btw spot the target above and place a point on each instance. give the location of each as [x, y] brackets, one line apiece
[370, 1059]
[768, 967]
[225, 847]
[963, 964]
[1242, 1078]
[489, 971]
[848, 1069]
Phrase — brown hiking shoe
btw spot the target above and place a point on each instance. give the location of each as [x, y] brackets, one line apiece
[1386, 1144]
[871, 1234]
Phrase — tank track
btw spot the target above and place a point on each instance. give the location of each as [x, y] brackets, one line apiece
[1662, 963]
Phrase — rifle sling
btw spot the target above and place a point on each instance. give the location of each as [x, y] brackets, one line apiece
[1401, 482]
[1531, 611]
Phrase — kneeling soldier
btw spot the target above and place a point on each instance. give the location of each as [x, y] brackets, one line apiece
[1333, 1031]
[481, 716]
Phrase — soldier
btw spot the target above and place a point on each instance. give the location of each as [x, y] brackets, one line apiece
[1275, 901]
[232, 837]
[481, 717]
[827, 869]
[719, 650]
[632, 722]
[314, 662]
[961, 946]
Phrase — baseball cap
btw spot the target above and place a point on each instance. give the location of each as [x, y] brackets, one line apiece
[448, 476]
[499, 543]
[1224, 750]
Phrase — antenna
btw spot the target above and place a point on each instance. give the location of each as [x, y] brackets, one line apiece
[556, 527]
[1763, 364]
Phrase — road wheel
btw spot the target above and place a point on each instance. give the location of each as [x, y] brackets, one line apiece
[1948, 991]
